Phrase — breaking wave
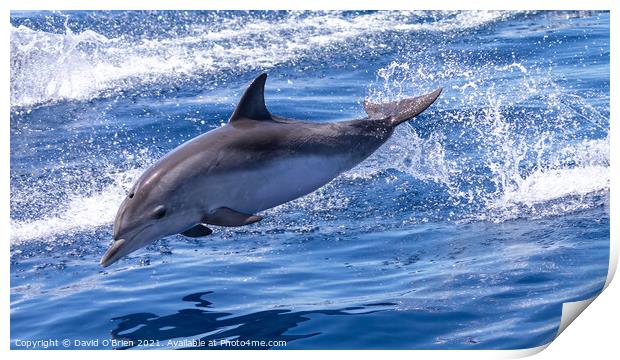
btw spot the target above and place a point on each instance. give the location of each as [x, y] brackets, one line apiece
[48, 67]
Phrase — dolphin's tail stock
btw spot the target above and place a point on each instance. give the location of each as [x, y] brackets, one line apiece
[396, 112]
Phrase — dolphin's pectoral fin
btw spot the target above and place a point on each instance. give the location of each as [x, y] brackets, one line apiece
[399, 111]
[197, 231]
[228, 217]
[252, 103]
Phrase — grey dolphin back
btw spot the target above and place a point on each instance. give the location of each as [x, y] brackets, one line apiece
[252, 103]
[399, 111]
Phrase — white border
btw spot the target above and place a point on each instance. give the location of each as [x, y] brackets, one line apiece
[597, 335]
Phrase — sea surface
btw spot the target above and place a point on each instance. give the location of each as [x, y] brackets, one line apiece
[467, 230]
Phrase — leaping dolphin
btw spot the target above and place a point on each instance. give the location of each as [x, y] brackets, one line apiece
[253, 163]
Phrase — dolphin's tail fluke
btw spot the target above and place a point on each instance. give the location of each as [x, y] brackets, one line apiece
[399, 111]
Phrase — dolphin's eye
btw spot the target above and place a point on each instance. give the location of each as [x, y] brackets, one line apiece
[160, 212]
[131, 194]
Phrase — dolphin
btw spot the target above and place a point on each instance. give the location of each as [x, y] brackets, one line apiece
[256, 161]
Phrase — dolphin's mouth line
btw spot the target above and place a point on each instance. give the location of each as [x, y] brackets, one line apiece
[114, 252]
[140, 232]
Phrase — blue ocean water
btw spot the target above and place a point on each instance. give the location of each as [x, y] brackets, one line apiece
[467, 230]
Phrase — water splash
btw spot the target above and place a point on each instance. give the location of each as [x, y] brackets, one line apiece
[527, 157]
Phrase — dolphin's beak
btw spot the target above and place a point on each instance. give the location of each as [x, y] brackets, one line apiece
[118, 249]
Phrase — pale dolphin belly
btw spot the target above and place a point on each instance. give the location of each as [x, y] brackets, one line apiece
[254, 190]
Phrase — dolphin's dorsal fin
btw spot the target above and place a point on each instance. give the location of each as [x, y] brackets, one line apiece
[252, 103]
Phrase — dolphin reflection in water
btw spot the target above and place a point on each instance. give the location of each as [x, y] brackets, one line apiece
[258, 330]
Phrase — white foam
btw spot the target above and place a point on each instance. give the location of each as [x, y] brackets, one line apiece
[573, 172]
[543, 186]
[82, 213]
[48, 67]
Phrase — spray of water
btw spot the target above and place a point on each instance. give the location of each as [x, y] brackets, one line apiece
[527, 158]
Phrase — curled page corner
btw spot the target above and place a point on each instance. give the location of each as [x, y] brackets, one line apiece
[570, 311]
[614, 251]
[523, 353]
